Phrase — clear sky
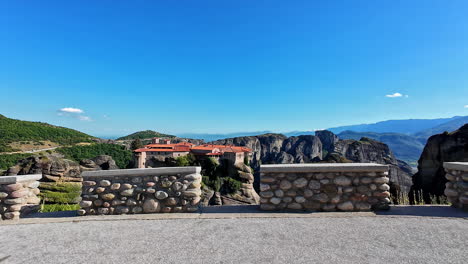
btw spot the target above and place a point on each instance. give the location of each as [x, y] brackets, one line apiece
[114, 67]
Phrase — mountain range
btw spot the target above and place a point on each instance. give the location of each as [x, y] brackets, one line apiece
[406, 138]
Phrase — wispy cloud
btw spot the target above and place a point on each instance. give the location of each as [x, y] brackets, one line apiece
[84, 118]
[466, 106]
[71, 110]
[395, 95]
[74, 113]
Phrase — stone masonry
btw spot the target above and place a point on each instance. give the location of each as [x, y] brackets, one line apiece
[324, 187]
[18, 195]
[456, 189]
[134, 191]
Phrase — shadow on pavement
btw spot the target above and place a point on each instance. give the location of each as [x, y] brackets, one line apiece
[244, 209]
[52, 215]
[424, 210]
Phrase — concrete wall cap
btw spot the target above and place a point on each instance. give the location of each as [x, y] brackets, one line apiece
[19, 178]
[325, 167]
[461, 166]
[141, 172]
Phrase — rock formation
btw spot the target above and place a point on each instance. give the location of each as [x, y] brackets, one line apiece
[445, 147]
[368, 150]
[328, 139]
[279, 149]
[56, 168]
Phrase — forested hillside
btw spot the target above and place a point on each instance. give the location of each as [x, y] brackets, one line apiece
[145, 134]
[123, 158]
[13, 130]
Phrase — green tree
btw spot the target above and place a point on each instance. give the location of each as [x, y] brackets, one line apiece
[136, 144]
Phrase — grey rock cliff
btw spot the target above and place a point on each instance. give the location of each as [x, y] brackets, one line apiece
[440, 148]
[278, 149]
[369, 150]
[328, 139]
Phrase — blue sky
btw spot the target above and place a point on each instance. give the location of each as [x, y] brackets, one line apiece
[115, 67]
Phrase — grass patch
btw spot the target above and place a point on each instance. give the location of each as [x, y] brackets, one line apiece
[48, 208]
[60, 193]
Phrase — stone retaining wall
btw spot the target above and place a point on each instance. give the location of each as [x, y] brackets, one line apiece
[456, 189]
[134, 191]
[324, 187]
[18, 195]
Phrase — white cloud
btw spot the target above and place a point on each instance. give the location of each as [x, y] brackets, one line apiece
[84, 118]
[74, 113]
[71, 110]
[394, 95]
[466, 106]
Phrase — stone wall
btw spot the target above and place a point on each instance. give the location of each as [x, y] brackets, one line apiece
[134, 191]
[324, 187]
[18, 195]
[456, 189]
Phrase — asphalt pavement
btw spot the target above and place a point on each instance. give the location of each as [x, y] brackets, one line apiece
[225, 238]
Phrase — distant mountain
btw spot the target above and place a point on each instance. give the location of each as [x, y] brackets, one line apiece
[213, 137]
[13, 130]
[406, 126]
[449, 126]
[405, 147]
[144, 134]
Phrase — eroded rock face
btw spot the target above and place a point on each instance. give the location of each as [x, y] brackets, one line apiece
[368, 150]
[445, 147]
[278, 149]
[328, 139]
[56, 168]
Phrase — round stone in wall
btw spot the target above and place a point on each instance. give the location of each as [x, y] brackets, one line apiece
[346, 206]
[275, 200]
[285, 185]
[300, 199]
[314, 185]
[308, 193]
[151, 206]
[381, 180]
[279, 193]
[105, 183]
[108, 196]
[161, 195]
[343, 181]
[300, 183]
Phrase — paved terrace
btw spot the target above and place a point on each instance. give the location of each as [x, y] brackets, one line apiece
[241, 234]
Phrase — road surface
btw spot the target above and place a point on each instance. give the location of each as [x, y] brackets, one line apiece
[324, 239]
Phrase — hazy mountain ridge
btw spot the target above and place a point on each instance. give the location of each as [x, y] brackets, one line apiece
[404, 126]
[405, 147]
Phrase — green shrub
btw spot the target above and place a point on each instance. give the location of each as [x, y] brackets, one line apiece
[123, 158]
[187, 160]
[232, 185]
[8, 160]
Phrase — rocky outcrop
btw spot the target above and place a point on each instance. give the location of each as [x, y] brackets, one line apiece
[246, 193]
[101, 162]
[445, 147]
[278, 149]
[56, 168]
[368, 150]
[328, 139]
